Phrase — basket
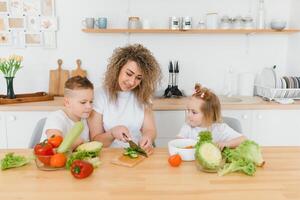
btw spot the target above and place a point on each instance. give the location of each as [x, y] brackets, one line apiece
[276, 93]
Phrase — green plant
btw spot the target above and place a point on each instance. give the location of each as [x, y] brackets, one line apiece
[10, 66]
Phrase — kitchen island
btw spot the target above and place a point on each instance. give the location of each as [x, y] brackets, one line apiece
[154, 178]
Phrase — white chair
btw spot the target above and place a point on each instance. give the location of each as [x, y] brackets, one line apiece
[37, 133]
[233, 123]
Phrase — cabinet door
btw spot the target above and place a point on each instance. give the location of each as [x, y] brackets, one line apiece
[20, 126]
[168, 124]
[2, 131]
[277, 127]
[245, 117]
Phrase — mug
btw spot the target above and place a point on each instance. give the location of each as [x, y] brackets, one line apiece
[88, 22]
[101, 22]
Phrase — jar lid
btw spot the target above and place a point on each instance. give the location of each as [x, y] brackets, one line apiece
[133, 18]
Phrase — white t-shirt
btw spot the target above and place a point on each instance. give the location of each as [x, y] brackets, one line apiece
[126, 111]
[221, 132]
[60, 121]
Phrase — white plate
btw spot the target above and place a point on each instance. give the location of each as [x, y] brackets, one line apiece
[268, 78]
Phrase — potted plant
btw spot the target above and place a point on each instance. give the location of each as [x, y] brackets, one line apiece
[9, 67]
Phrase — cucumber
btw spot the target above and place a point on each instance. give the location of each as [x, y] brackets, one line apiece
[71, 137]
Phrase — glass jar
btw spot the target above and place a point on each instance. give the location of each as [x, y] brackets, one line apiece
[186, 23]
[174, 23]
[212, 20]
[225, 22]
[134, 23]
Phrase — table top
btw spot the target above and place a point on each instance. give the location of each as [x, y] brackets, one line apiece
[154, 178]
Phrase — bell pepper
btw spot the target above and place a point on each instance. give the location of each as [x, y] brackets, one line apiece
[81, 169]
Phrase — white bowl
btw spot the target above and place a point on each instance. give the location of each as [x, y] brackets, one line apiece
[278, 25]
[177, 146]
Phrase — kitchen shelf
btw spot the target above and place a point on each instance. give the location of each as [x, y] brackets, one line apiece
[194, 31]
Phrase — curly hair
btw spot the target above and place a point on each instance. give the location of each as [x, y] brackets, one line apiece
[150, 68]
[211, 108]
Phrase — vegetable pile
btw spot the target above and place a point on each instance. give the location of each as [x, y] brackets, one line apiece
[245, 158]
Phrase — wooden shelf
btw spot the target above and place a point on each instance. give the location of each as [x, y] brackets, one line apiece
[194, 31]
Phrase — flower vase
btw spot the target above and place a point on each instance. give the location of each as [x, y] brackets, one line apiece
[10, 94]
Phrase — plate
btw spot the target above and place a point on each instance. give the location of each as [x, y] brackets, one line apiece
[268, 78]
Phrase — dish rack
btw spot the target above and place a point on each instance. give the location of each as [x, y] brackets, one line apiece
[277, 93]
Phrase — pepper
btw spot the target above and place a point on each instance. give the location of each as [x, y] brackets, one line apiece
[81, 169]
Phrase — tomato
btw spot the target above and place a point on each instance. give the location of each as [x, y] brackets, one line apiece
[175, 160]
[43, 151]
[81, 169]
[58, 160]
[55, 140]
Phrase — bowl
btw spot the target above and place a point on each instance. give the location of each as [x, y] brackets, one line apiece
[278, 25]
[43, 163]
[185, 148]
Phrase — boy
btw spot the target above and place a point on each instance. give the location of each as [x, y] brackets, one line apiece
[78, 100]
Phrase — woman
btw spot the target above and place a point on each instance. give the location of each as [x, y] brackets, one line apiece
[122, 109]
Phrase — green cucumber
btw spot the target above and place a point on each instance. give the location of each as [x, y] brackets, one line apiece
[71, 137]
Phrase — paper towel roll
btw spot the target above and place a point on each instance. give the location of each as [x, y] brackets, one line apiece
[245, 84]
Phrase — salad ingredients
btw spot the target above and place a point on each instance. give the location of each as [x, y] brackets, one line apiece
[241, 165]
[71, 137]
[84, 155]
[43, 151]
[58, 160]
[130, 152]
[207, 154]
[93, 146]
[81, 169]
[10, 161]
[55, 140]
[174, 160]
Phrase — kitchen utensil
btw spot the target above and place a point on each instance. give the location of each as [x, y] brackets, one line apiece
[168, 92]
[135, 147]
[57, 80]
[278, 25]
[78, 71]
[175, 91]
[126, 161]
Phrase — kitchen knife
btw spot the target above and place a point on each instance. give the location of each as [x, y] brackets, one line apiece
[136, 147]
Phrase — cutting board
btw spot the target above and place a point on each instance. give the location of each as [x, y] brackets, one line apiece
[78, 71]
[127, 161]
[57, 80]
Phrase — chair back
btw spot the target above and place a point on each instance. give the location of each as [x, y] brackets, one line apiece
[233, 123]
[37, 133]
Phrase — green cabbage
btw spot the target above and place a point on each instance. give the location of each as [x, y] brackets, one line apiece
[93, 146]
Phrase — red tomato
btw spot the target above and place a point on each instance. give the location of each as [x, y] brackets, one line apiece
[55, 140]
[175, 160]
[44, 151]
[81, 169]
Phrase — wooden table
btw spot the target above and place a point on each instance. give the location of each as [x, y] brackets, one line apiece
[155, 179]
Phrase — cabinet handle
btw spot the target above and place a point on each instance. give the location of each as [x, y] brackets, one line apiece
[245, 116]
[12, 118]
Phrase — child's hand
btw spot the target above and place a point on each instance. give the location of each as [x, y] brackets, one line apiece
[118, 133]
[146, 144]
[222, 145]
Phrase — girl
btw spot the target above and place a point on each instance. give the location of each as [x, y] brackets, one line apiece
[204, 113]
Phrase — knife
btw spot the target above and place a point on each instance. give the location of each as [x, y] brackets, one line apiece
[136, 147]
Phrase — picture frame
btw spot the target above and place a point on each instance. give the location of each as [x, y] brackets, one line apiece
[32, 23]
[3, 23]
[33, 39]
[48, 24]
[32, 7]
[17, 38]
[5, 39]
[16, 7]
[49, 39]
[4, 7]
[16, 23]
[47, 8]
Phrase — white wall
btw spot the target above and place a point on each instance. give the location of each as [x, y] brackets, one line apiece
[203, 58]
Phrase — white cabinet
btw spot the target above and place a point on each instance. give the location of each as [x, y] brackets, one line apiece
[168, 124]
[2, 131]
[20, 126]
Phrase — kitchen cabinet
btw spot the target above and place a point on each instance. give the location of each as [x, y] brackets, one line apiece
[168, 124]
[19, 127]
[2, 131]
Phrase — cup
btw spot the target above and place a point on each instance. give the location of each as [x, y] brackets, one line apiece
[101, 22]
[88, 22]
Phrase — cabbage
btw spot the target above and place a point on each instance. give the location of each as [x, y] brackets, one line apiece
[93, 146]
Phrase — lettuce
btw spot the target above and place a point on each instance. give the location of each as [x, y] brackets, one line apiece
[11, 161]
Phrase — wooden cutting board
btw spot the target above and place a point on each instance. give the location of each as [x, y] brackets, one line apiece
[127, 161]
[57, 80]
[78, 71]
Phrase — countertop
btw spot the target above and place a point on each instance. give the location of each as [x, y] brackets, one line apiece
[279, 179]
[247, 103]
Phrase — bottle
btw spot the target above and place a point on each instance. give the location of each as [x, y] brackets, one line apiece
[261, 24]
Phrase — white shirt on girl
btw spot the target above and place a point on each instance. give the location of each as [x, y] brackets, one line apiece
[60, 121]
[221, 132]
[126, 111]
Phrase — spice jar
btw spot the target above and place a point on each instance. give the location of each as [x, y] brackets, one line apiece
[134, 23]
[186, 23]
[174, 23]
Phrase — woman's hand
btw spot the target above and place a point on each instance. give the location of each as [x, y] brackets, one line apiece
[146, 144]
[121, 133]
